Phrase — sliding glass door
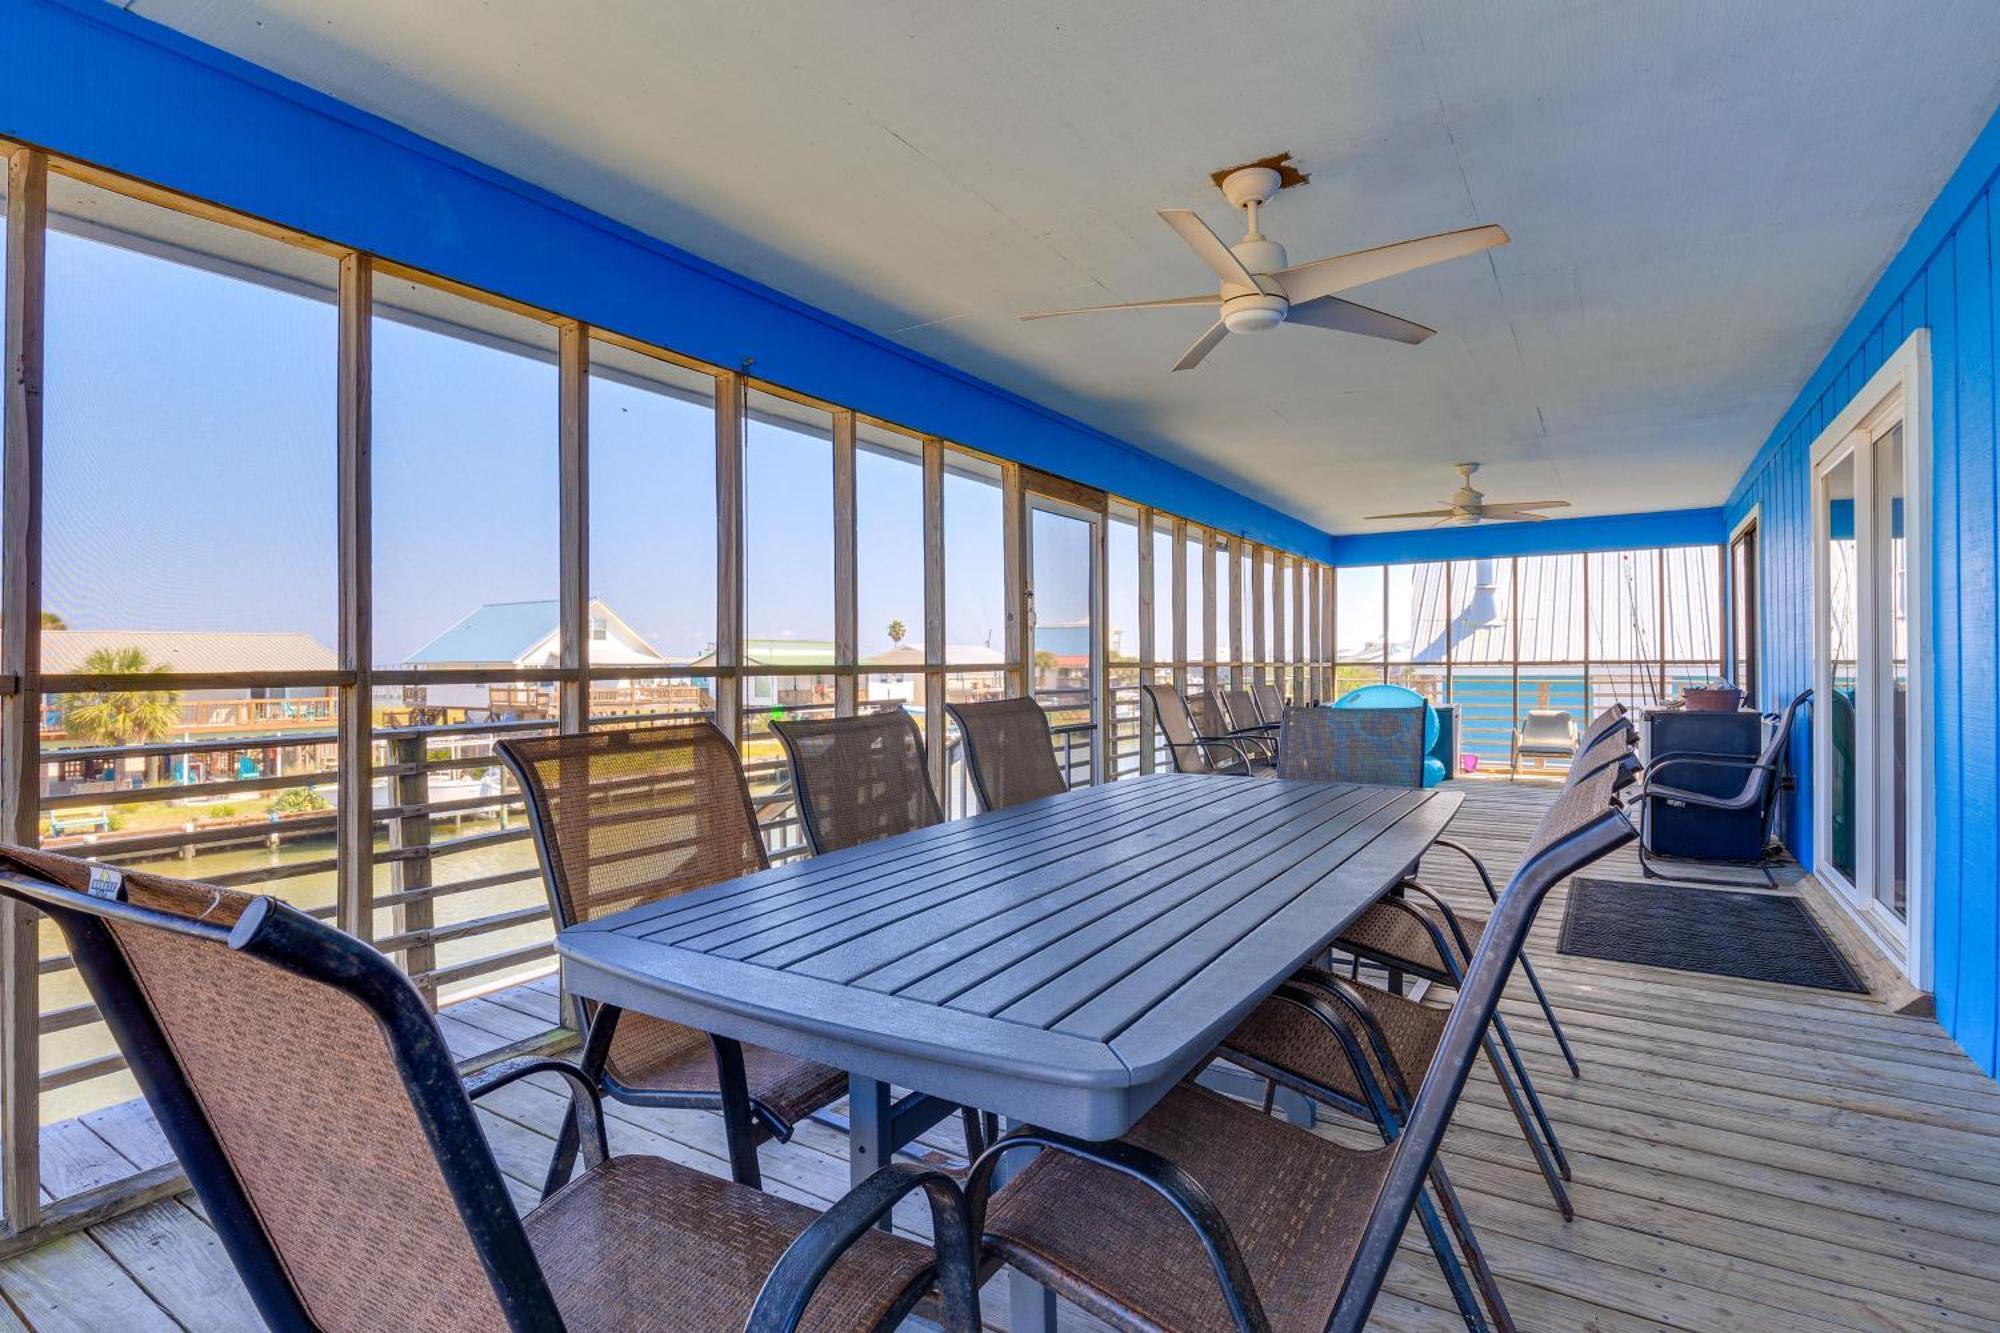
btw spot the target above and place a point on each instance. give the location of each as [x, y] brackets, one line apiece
[1862, 718]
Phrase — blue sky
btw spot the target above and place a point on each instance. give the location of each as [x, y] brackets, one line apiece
[191, 483]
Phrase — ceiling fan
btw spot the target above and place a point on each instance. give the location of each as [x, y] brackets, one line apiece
[1467, 507]
[1259, 291]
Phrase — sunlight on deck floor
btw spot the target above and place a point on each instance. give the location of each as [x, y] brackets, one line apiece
[1746, 1156]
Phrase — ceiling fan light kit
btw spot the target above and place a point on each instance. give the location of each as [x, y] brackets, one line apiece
[1260, 289]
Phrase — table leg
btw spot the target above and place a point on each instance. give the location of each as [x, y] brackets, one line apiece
[1031, 1307]
[869, 1119]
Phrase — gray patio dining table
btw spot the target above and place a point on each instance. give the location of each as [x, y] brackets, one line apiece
[1062, 963]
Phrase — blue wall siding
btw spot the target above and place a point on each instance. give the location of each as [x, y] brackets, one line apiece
[1943, 279]
[91, 81]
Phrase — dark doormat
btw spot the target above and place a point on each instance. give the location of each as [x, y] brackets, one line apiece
[1757, 936]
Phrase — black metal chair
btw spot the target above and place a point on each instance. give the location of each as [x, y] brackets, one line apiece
[623, 818]
[1210, 1214]
[1745, 789]
[1009, 750]
[1381, 746]
[308, 1093]
[1192, 750]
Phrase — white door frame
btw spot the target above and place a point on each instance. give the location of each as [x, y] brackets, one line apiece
[1899, 391]
[1100, 706]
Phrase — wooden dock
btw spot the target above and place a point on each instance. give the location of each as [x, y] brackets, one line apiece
[1747, 1157]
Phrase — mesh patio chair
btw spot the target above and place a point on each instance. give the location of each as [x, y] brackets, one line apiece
[1009, 751]
[623, 818]
[1193, 750]
[1212, 718]
[1270, 702]
[860, 779]
[1210, 1214]
[1244, 712]
[310, 1096]
[1750, 789]
[1382, 746]
[857, 779]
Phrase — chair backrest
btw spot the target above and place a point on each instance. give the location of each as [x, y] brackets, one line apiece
[857, 779]
[1549, 726]
[1270, 702]
[1384, 746]
[1009, 750]
[624, 818]
[1177, 724]
[1605, 722]
[1210, 717]
[309, 1095]
[1240, 708]
[1581, 826]
[1612, 748]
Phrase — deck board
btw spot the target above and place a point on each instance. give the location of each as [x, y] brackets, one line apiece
[1747, 1157]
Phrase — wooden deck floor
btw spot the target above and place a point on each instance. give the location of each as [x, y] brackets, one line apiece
[1746, 1156]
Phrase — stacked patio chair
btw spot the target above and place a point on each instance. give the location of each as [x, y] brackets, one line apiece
[1195, 750]
[1753, 801]
[1270, 702]
[1009, 751]
[1382, 746]
[1212, 717]
[860, 779]
[1245, 713]
[308, 1093]
[1210, 1214]
[624, 818]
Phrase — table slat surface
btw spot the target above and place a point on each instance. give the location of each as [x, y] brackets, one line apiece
[1063, 961]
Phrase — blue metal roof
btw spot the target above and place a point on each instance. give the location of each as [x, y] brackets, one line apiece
[496, 632]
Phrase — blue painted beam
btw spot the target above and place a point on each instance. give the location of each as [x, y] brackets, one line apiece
[89, 80]
[1558, 536]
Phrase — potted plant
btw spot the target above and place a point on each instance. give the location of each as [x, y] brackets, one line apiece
[1712, 695]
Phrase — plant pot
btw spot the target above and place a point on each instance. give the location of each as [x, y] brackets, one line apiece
[1712, 700]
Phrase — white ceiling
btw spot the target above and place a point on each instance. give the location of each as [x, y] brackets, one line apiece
[1699, 193]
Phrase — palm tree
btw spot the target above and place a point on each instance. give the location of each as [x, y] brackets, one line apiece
[121, 716]
[897, 629]
[50, 620]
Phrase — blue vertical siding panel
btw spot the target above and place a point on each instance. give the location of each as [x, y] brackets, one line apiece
[1972, 378]
[1943, 280]
[1947, 668]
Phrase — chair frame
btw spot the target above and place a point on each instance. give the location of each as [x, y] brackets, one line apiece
[801, 791]
[972, 764]
[1199, 744]
[1765, 779]
[277, 934]
[1413, 1155]
[746, 1121]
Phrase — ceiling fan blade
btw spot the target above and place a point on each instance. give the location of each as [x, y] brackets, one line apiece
[1163, 303]
[1324, 277]
[1330, 312]
[1209, 246]
[1501, 514]
[1414, 513]
[1202, 346]
[1512, 505]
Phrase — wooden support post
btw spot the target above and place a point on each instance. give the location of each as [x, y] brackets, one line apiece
[1299, 659]
[1180, 608]
[1210, 674]
[1014, 554]
[354, 765]
[1104, 711]
[573, 492]
[729, 554]
[1147, 648]
[846, 593]
[1260, 633]
[20, 657]
[934, 654]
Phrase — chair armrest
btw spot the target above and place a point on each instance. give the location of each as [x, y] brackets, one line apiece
[1737, 765]
[1485, 877]
[1465, 945]
[1743, 759]
[1170, 1182]
[789, 1287]
[583, 1095]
